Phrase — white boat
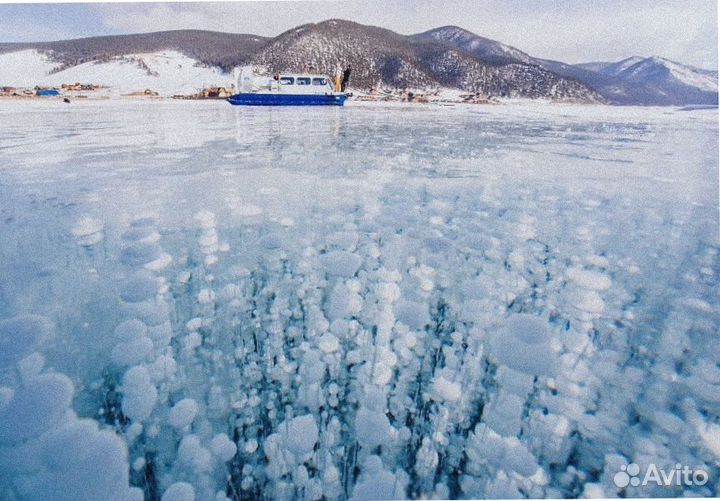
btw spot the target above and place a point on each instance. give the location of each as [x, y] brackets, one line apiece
[287, 89]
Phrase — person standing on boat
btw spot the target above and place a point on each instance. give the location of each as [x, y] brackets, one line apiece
[345, 78]
[338, 76]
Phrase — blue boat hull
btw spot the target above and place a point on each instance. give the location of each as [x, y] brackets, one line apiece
[258, 99]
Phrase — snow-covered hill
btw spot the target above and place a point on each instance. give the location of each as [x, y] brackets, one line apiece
[24, 68]
[211, 48]
[488, 50]
[381, 56]
[660, 71]
[635, 80]
[672, 82]
[183, 61]
[166, 72]
[131, 63]
[612, 69]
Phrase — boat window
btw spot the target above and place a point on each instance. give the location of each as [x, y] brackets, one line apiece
[302, 81]
[286, 80]
[319, 81]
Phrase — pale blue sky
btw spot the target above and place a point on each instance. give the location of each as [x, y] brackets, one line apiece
[568, 30]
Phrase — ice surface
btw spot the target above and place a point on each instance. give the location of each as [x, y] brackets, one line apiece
[179, 491]
[88, 231]
[589, 279]
[446, 390]
[193, 455]
[139, 393]
[132, 352]
[223, 447]
[84, 463]
[370, 302]
[372, 428]
[377, 483]
[139, 288]
[300, 434]
[183, 413]
[292, 445]
[34, 408]
[523, 344]
[341, 263]
[19, 336]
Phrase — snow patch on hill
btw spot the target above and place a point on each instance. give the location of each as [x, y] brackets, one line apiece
[478, 45]
[24, 68]
[615, 69]
[657, 70]
[692, 77]
[166, 72]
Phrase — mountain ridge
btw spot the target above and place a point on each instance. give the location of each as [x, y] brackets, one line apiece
[213, 48]
[608, 79]
[382, 57]
[670, 81]
[449, 56]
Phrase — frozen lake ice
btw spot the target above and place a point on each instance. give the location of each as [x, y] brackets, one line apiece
[205, 301]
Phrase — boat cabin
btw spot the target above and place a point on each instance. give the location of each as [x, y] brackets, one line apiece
[285, 89]
[288, 83]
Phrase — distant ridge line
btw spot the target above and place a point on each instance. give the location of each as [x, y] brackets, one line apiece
[448, 56]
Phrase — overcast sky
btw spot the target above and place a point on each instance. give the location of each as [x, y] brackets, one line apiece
[568, 30]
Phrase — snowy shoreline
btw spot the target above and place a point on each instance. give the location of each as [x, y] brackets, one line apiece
[351, 103]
